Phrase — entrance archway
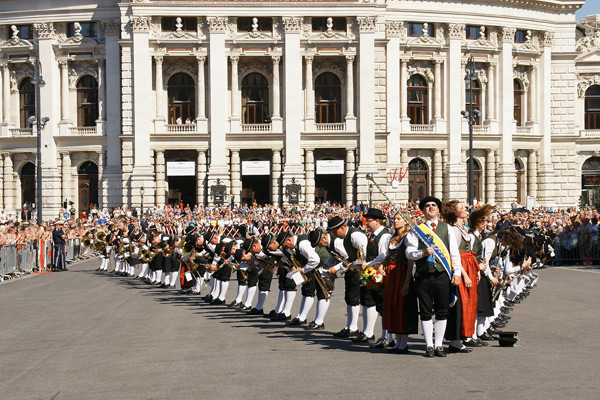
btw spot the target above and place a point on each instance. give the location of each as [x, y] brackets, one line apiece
[182, 190]
[87, 186]
[256, 181]
[418, 185]
[590, 180]
[329, 181]
[520, 181]
[28, 184]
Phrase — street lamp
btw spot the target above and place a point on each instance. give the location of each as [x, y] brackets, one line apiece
[142, 194]
[40, 123]
[471, 117]
[370, 194]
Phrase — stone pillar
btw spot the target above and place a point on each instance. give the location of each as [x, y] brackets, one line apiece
[1, 169]
[201, 91]
[9, 184]
[101, 97]
[309, 165]
[393, 95]
[159, 119]
[533, 95]
[404, 160]
[276, 177]
[236, 178]
[310, 95]
[491, 92]
[101, 191]
[547, 184]
[235, 94]
[350, 161]
[276, 120]
[2, 98]
[201, 178]
[350, 118]
[491, 177]
[6, 91]
[404, 120]
[532, 174]
[64, 88]
[162, 186]
[438, 90]
[437, 174]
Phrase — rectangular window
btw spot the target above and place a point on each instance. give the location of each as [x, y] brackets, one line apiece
[25, 32]
[169, 24]
[320, 24]
[88, 29]
[245, 24]
[520, 36]
[415, 29]
[473, 32]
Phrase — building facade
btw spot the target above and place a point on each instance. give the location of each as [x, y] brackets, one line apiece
[153, 102]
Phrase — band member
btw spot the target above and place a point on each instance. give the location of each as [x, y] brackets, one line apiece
[59, 239]
[134, 259]
[372, 300]
[433, 279]
[156, 264]
[354, 242]
[399, 314]
[319, 239]
[286, 285]
[171, 263]
[242, 278]
[260, 251]
[211, 239]
[241, 275]
[229, 246]
[461, 319]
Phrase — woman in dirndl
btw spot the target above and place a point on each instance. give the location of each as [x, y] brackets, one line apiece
[399, 313]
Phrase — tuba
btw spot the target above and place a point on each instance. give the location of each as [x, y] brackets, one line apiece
[86, 241]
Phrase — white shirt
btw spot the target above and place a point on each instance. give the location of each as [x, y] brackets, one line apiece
[306, 250]
[382, 248]
[413, 252]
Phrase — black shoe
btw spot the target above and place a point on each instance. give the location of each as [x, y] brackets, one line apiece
[429, 353]
[362, 338]
[379, 344]
[491, 331]
[245, 308]
[391, 344]
[343, 333]
[439, 351]
[464, 350]
[282, 317]
[503, 317]
[233, 304]
[486, 336]
[498, 324]
[314, 326]
[217, 301]
[208, 298]
[271, 315]
[65, 269]
[482, 343]
[255, 311]
[296, 322]
[163, 286]
[506, 309]
[471, 343]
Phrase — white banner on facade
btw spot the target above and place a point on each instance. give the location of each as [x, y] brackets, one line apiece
[253, 168]
[181, 168]
[330, 167]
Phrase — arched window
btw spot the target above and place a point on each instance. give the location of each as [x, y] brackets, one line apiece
[180, 89]
[476, 98]
[520, 169]
[328, 93]
[417, 100]
[87, 101]
[418, 186]
[592, 107]
[26, 101]
[255, 99]
[87, 186]
[28, 183]
[519, 93]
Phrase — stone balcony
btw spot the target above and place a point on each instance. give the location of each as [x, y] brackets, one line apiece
[21, 132]
[331, 127]
[418, 128]
[589, 133]
[83, 131]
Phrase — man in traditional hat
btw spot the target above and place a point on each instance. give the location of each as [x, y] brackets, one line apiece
[433, 278]
[59, 240]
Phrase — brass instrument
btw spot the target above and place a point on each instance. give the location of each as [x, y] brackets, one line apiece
[186, 248]
[147, 255]
[100, 245]
[168, 252]
[86, 241]
[267, 263]
[325, 283]
[340, 259]
[360, 256]
[100, 236]
[296, 264]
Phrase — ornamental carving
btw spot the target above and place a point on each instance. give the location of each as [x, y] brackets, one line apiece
[589, 44]
[14, 40]
[484, 40]
[217, 24]
[19, 72]
[79, 69]
[140, 24]
[45, 30]
[330, 66]
[366, 24]
[329, 34]
[173, 65]
[438, 40]
[421, 68]
[292, 24]
[456, 31]
[531, 42]
[395, 29]
[520, 72]
[584, 82]
[254, 34]
[548, 38]
[508, 34]
[111, 28]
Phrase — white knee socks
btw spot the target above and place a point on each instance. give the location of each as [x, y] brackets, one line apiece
[262, 297]
[289, 302]
[322, 307]
[174, 277]
[369, 320]
[440, 329]
[352, 321]
[427, 327]
[224, 287]
[250, 296]
[280, 301]
[240, 293]
[307, 303]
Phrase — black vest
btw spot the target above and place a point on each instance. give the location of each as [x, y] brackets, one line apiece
[373, 246]
[495, 239]
[422, 265]
[301, 259]
[477, 247]
[350, 249]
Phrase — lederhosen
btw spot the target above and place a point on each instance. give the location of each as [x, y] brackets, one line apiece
[485, 306]
[134, 259]
[240, 278]
[286, 283]
[282, 271]
[432, 282]
[157, 262]
[368, 297]
[324, 255]
[265, 277]
[312, 288]
[352, 276]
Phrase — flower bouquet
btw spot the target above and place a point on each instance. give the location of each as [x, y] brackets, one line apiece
[372, 278]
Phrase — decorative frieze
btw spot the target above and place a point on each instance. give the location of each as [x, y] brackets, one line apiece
[140, 24]
[548, 38]
[585, 81]
[292, 24]
[45, 30]
[508, 34]
[421, 68]
[395, 29]
[81, 68]
[589, 44]
[456, 31]
[18, 72]
[217, 24]
[366, 24]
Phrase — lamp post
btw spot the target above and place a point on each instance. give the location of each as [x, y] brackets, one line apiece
[142, 195]
[40, 123]
[471, 117]
[370, 194]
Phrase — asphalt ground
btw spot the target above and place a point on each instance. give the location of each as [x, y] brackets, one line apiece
[84, 334]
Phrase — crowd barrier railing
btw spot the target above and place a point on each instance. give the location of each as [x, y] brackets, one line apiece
[576, 248]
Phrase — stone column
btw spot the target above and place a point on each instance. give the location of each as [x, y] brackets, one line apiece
[64, 88]
[491, 177]
[2, 101]
[1, 170]
[309, 164]
[201, 178]
[101, 97]
[350, 161]
[236, 178]
[393, 95]
[404, 120]
[275, 176]
[101, 191]
[276, 120]
[6, 91]
[491, 92]
[438, 90]
[159, 119]
[547, 183]
[349, 88]
[9, 185]
[200, 90]
[404, 160]
[310, 94]
[162, 186]
[533, 95]
[532, 173]
[437, 174]
[235, 94]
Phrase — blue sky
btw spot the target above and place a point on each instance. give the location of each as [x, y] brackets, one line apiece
[590, 7]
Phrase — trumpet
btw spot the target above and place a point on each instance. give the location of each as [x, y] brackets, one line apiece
[325, 282]
[100, 245]
[267, 263]
[100, 236]
[340, 259]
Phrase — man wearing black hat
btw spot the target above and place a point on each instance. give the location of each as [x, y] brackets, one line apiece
[353, 242]
[59, 240]
[287, 287]
[260, 250]
[432, 281]
[242, 273]
[223, 275]
[251, 273]
[211, 239]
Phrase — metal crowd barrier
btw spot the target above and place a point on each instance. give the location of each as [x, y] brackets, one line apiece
[576, 249]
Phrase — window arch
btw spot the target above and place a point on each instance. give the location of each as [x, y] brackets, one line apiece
[418, 185]
[26, 102]
[519, 93]
[592, 107]
[476, 98]
[180, 89]
[87, 101]
[27, 176]
[417, 100]
[255, 99]
[328, 94]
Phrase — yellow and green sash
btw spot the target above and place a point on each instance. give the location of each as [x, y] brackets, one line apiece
[440, 251]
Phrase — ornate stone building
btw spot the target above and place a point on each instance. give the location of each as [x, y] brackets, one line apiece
[154, 101]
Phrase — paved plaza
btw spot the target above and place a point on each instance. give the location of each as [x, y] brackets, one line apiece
[88, 335]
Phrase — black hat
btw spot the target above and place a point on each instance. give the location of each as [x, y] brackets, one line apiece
[429, 199]
[282, 237]
[266, 240]
[191, 238]
[228, 247]
[315, 236]
[219, 248]
[238, 255]
[335, 222]
[190, 229]
[247, 244]
[209, 235]
[374, 213]
[136, 236]
[243, 230]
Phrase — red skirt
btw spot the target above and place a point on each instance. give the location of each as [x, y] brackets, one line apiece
[398, 313]
[469, 295]
[185, 284]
